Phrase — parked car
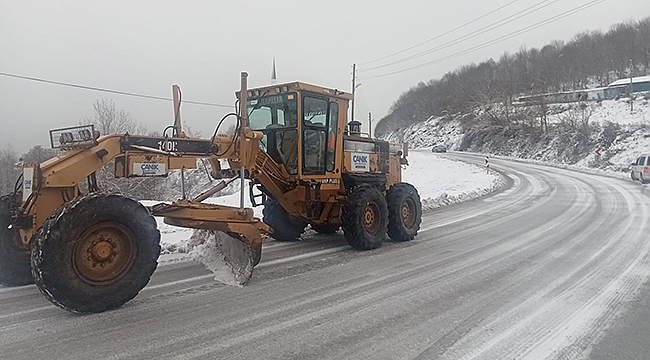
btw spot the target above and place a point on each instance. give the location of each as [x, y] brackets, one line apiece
[641, 169]
[439, 149]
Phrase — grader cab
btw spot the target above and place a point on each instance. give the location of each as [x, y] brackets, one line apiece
[93, 251]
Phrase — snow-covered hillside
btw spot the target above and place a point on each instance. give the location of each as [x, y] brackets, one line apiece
[436, 130]
[619, 133]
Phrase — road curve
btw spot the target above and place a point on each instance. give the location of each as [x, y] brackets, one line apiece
[537, 270]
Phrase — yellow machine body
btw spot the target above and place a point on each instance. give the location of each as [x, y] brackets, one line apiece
[293, 143]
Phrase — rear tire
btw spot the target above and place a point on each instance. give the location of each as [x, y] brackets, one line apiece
[15, 269]
[632, 175]
[284, 229]
[365, 217]
[95, 253]
[642, 178]
[404, 212]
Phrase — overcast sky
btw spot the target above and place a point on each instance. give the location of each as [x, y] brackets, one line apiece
[146, 46]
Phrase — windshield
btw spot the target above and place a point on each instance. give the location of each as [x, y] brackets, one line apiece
[277, 110]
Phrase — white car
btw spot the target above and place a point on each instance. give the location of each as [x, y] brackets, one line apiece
[641, 169]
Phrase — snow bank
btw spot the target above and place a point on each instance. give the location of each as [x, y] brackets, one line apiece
[442, 181]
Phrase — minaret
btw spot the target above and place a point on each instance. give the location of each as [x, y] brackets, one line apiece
[274, 77]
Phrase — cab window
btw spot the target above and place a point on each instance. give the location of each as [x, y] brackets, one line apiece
[278, 110]
[315, 111]
[277, 117]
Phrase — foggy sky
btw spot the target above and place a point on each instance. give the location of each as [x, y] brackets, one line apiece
[146, 46]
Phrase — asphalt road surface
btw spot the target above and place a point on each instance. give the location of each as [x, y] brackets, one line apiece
[552, 266]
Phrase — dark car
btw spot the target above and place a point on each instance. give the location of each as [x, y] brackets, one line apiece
[439, 149]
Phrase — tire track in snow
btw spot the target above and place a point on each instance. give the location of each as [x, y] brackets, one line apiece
[546, 327]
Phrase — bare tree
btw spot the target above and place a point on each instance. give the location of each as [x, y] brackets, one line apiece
[9, 170]
[109, 120]
[38, 154]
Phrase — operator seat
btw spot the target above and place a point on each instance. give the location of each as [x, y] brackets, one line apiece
[287, 145]
[272, 143]
[282, 146]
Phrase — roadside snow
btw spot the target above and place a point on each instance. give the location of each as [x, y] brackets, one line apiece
[442, 181]
[439, 182]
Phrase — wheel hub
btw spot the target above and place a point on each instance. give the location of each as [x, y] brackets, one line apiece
[371, 218]
[104, 253]
[408, 215]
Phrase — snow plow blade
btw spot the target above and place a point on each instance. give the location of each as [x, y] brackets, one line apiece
[228, 258]
[230, 238]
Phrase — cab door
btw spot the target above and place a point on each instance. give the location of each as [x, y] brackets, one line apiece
[315, 116]
[319, 134]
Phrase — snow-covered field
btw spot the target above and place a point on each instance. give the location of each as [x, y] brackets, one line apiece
[439, 181]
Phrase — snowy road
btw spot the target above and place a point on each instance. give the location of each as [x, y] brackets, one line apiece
[538, 270]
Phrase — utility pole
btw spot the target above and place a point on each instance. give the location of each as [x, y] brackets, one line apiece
[631, 86]
[274, 75]
[370, 124]
[354, 86]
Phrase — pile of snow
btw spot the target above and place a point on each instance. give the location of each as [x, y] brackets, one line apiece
[442, 181]
[230, 266]
[439, 182]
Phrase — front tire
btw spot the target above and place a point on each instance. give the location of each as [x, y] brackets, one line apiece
[365, 217]
[15, 269]
[284, 229]
[95, 253]
[404, 212]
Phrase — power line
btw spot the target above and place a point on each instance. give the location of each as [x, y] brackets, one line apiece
[497, 40]
[441, 35]
[109, 91]
[495, 25]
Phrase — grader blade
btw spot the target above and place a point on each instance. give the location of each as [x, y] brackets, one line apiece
[230, 238]
[228, 258]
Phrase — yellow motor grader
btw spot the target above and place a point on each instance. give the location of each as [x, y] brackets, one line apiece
[94, 251]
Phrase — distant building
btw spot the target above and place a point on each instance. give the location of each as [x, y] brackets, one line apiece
[553, 98]
[612, 91]
[639, 84]
[596, 94]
